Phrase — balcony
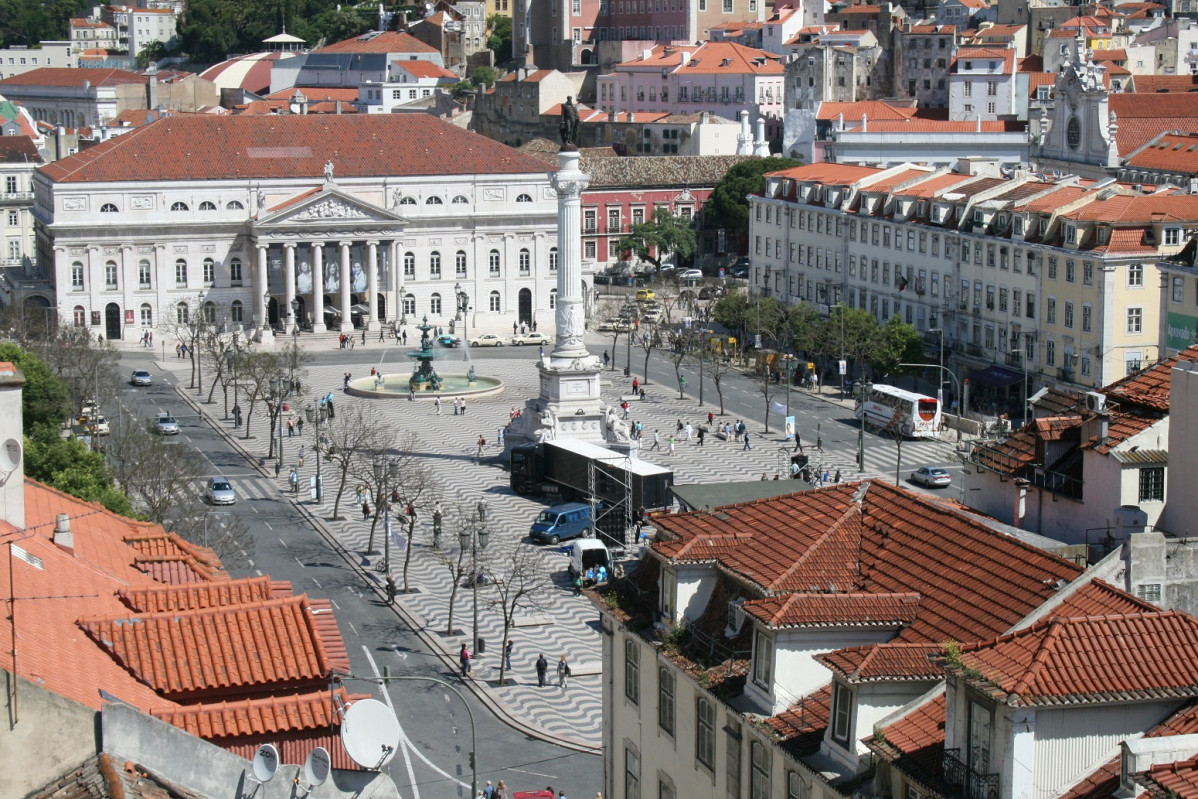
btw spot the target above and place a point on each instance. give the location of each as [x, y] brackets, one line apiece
[590, 230]
[964, 782]
[11, 197]
[1015, 359]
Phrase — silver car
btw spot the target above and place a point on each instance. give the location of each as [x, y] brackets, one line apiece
[219, 491]
[166, 425]
[931, 476]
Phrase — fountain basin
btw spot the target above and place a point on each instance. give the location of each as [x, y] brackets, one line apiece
[397, 386]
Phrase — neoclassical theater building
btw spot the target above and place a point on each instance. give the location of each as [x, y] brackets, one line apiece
[268, 222]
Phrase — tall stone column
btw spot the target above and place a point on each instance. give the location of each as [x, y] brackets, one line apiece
[289, 284]
[261, 291]
[372, 267]
[570, 314]
[318, 287]
[347, 322]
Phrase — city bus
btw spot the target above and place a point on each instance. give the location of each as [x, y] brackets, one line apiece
[904, 412]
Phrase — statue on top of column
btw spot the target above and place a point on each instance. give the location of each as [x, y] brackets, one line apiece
[569, 124]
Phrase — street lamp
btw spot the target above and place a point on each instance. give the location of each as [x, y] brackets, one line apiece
[474, 539]
[278, 392]
[866, 387]
[384, 470]
[788, 366]
[317, 416]
[199, 333]
[234, 356]
[295, 303]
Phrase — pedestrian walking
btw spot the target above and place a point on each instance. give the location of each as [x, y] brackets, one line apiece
[294, 479]
[542, 351]
[542, 670]
[606, 359]
[710, 417]
[701, 434]
[671, 450]
[455, 406]
[624, 406]
[345, 380]
[462, 405]
[482, 510]
[482, 442]
[437, 405]
[678, 426]
[501, 791]
[563, 672]
[689, 431]
[656, 441]
[299, 426]
[464, 659]
[636, 384]
[489, 791]
[301, 456]
[507, 655]
[365, 510]
[748, 446]
[798, 443]
[290, 428]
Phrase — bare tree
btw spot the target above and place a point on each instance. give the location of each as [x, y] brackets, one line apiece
[89, 368]
[159, 477]
[720, 365]
[188, 321]
[457, 565]
[614, 314]
[352, 438]
[520, 580]
[258, 372]
[223, 532]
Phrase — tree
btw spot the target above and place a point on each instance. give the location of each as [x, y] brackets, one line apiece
[500, 40]
[617, 315]
[727, 207]
[160, 478]
[900, 343]
[520, 581]
[351, 440]
[257, 371]
[659, 238]
[44, 397]
[467, 521]
[720, 365]
[734, 311]
[68, 465]
[484, 76]
[153, 51]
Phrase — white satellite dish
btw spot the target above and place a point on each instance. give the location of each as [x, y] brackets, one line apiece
[370, 733]
[266, 763]
[316, 766]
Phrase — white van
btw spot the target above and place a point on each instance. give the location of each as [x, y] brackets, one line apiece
[586, 553]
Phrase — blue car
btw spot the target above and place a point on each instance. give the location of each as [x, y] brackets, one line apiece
[446, 340]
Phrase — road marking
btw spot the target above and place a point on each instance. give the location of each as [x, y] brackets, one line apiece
[301, 563]
[318, 585]
[268, 527]
[352, 627]
[258, 572]
[333, 602]
[404, 744]
[284, 543]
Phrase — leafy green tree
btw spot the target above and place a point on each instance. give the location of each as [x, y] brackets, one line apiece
[66, 464]
[660, 237]
[44, 398]
[727, 207]
[899, 343]
[154, 51]
[500, 40]
[484, 76]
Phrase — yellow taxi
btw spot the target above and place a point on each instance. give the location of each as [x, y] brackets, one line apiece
[643, 295]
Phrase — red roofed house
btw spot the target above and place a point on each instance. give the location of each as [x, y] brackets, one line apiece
[758, 643]
[116, 609]
[982, 84]
[410, 81]
[281, 199]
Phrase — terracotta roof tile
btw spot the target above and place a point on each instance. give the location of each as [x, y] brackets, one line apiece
[1126, 241]
[928, 188]
[1152, 84]
[156, 599]
[727, 58]
[1090, 659]
[1175, 780]
[835, 610]
[1150, 386]
[72, 77]
[19, 150]
[295, 146]
[376, 42]
[1138, 208]
[872, 109]
[243, 648]
[889, 661]
[803, 724]
[425, 69]
[1142, 117]
[315, 94]
[917, 739]
[827, 173]
[1172, 152]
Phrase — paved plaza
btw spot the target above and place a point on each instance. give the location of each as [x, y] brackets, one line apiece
[569, 626]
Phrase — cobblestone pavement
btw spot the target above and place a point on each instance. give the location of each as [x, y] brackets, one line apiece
[571, 716]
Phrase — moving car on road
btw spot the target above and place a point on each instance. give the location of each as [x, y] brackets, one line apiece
[141, 377]
[529, 338]
[690, 274]
[166, 425]
[446, 340]
[931, 477]
[486, 340]
[219, 491]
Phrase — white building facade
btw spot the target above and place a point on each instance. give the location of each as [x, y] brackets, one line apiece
[295, 220]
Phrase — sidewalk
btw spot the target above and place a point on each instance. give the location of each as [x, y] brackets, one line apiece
[570, 717]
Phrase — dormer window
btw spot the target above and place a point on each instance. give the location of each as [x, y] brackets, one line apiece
[763, 660]
[1172, 236]
[842, 713]
[1071, 234]
[1019, 226]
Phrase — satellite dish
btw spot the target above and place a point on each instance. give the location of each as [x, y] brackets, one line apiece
[316, 766]
[10, 455]
[266, 763]
[370, 733]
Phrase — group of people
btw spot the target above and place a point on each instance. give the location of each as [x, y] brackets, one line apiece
[147, 339]
[459, 405]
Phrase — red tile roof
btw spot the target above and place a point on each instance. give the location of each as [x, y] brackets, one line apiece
[424, 69]
[727, 58]
[872, 109]
[156, 599]
[293, 146]
[889, 661]
[1165, 83]
[1103, 783]
[376, 42]
[827, 173]
[803, 724]
[1138, 208]
[1174, 780]
[834, 610]
[315, 94]
[1089, 659]
[1171, 152]
[19, 150]
[71, 77]
[1150, 386]
[225, 649]
[1141, 117]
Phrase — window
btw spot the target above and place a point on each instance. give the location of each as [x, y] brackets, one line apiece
[795, 789]
[632, 773]
[434, 200]
[234, 205]
[1052, 267]
[981, 722]
[237, 311]
[1087, 273]
[407, 200]
[552, 299]
[1031, 306]
[553, 259]
[494, 302]
[493, 263]
[1068, 314]
[110, 275]
[1135, 275]
[460, 200]
[1135, 320]
[732, 759]
[80, 316]
[759, 775]
[1087, 318]
[409, 304]
[181, 313]
[207, 206]
[705, 733]
[1149, 592]
[1070, 271]
[525, 262]
[632, 671]
[1051, 311]
[409, 265]
[665, 788]
[1152, 484]
[763, 660]
[459, 263]
[842, 713]
[665, 699]
[235, 271]
[181, 274]
[1050, 353]
[1179, 289]
[1172, 236]
[209, 272]
[434, 264]
[179, 207]
[524, 198]
[108, 208]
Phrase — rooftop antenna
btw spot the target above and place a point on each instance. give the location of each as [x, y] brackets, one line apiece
[316, 769]
[370, 733]
[264, 767]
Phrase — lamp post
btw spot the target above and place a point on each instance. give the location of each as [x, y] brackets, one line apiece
[474, 539]
[295, 303]
[384, 470]
[234, 358]
[704, 339]
[866, 387]
[843, 365]
[316, 415]
[278, 391]
[199, 332]
[788, 366]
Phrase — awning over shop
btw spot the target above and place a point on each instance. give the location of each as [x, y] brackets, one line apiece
[996, 376]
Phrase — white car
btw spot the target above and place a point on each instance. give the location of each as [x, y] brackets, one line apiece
[486, 340]
[219, 491]
[529, 338]
[690, 274]
[97, 424]
[931, 476]
[166, 425]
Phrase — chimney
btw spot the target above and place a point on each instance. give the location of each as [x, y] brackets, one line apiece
[152, 86]
[864, 124]
[62, 532]
[60, 144]
[686, 58]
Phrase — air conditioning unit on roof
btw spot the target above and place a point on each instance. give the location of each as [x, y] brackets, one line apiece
[1095, 402]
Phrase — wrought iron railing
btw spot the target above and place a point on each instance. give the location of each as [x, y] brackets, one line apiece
[963, 781]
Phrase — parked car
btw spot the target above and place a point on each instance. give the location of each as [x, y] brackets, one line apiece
[644, 295]
[532, 337]
[615, 326]
[141, 377]
[690, 274]
[446, 340]
[931, 477]
[166, 425]
[219, 491]
[486, 340]
[97, 424]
